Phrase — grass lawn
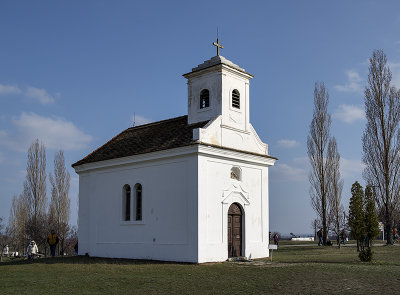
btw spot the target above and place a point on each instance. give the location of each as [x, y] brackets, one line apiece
[295, 270]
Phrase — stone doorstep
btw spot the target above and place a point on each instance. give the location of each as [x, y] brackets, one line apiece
[237, 259]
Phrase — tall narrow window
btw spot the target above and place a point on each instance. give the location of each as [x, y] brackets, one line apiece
[127, 203]
[204, 99]
[138, 189]
[235, 99]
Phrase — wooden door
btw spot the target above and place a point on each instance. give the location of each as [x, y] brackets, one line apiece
[234, 231]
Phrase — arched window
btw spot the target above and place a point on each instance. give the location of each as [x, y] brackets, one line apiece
[236, 173]
[204, 99]
[138, 201]
[236, 99]
[126, 203]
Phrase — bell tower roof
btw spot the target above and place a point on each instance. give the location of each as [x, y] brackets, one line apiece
[215, 61]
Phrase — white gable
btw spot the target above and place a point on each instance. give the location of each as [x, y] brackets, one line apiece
[217, 134]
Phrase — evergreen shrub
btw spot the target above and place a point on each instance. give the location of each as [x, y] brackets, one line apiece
[365, 255]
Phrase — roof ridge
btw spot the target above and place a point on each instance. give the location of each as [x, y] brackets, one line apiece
[157, 122]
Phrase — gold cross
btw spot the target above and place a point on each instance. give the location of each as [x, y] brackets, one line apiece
[218, 46]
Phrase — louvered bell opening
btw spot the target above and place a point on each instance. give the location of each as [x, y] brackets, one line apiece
[235, 99]
[204, 99]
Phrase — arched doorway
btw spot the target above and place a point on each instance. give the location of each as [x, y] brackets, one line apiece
[234, 231]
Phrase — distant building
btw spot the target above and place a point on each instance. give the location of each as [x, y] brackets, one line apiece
[192, 188]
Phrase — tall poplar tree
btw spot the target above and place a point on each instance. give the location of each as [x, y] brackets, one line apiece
[18, 222]
[381, 139]
[320, 156]
[35, 191]
[59, 209]
[336, 209]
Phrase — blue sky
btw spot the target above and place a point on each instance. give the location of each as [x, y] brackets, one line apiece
[73, 73]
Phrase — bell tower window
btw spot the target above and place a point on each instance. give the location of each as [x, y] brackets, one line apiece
[204, 99]
[236, 99]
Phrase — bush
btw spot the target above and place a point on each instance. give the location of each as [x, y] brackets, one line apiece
[365, 255]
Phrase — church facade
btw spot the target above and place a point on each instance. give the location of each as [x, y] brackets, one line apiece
[190, 189]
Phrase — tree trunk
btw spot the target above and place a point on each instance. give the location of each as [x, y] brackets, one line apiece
[389, 232]
[315, 231]
[324, 227]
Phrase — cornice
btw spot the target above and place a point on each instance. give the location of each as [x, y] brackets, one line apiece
[218, 68]
[195, 148]
[159, 155]
[231, 154]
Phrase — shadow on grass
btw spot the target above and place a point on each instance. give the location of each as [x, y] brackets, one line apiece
[87, 260]
[309, 249]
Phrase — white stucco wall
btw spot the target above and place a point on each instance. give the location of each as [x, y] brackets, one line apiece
[186, 196]
[219, 191]
[234, 117]
[211, 81]
[169, 227]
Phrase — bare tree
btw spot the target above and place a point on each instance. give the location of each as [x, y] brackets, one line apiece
[336, 212]
[2, 234]
[315, 225]
[71, 240]
[381, 140]
[396, 217]
[60, 202]
[317, 145]
[35, 191]
[5, 238]
[17, 222]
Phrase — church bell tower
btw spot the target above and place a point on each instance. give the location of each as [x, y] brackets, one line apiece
[219, 87]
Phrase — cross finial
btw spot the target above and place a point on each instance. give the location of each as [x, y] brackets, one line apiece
[217, 44]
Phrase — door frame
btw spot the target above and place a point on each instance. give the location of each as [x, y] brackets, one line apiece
[242, 229]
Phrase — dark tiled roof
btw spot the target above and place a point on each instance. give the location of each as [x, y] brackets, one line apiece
[147, 138]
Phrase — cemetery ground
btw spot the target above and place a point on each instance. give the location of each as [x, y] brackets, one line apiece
[296, 269]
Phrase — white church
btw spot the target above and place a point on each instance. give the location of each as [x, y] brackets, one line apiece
[189, 189]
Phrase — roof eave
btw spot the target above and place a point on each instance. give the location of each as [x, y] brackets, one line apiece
[217, 67]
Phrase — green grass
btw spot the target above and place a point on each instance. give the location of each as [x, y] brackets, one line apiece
[296, 270]
[383, 255]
